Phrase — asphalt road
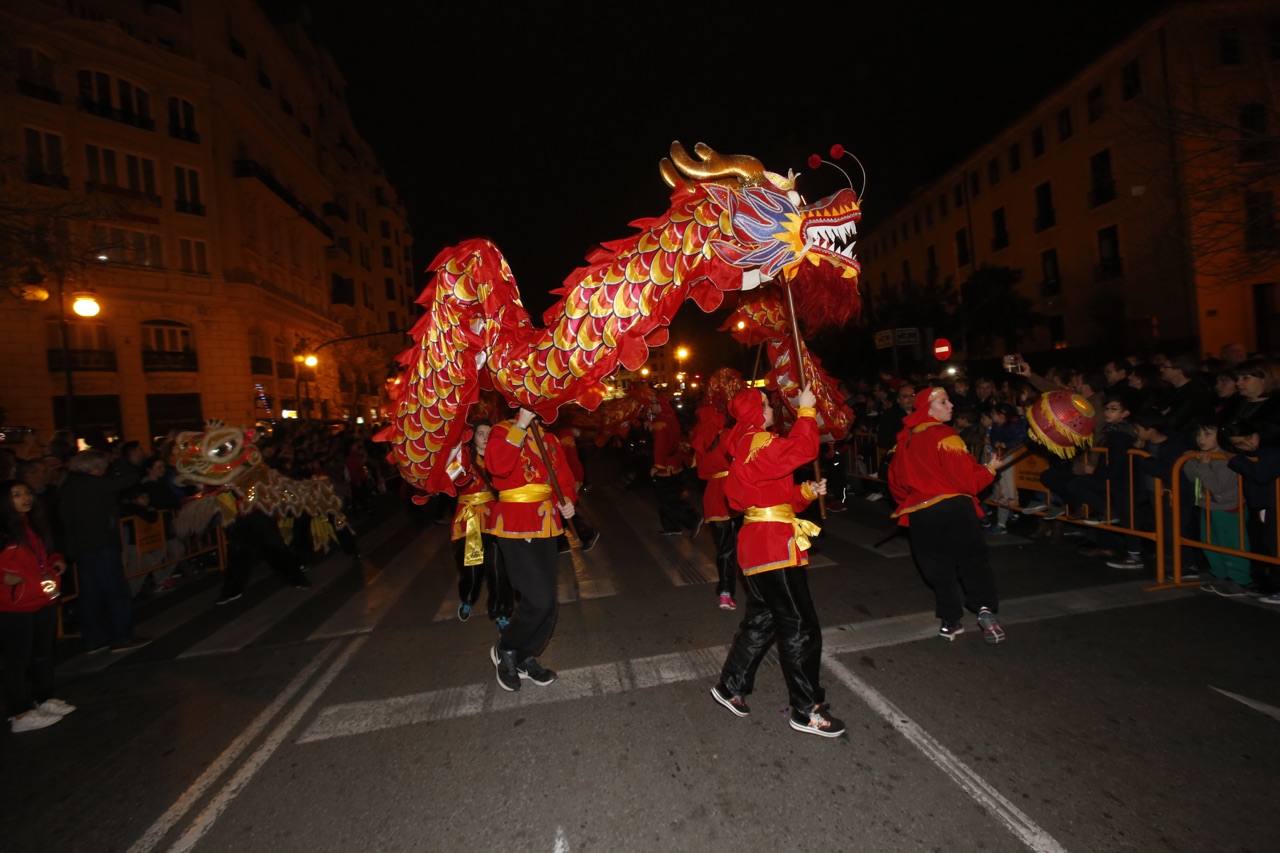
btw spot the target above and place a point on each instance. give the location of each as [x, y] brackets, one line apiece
[360, 715]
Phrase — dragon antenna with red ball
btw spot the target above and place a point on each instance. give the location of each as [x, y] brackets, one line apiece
[837, 151]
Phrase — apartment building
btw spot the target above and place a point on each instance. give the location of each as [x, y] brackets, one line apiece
[220, 208]
[1136, 201]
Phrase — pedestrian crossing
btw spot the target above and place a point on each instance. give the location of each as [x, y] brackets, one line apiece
[352, 596]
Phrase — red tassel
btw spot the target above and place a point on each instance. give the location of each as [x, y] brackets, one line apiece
[837, 151]
[815, 161]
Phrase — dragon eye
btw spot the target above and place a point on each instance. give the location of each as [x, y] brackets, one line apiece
[224, 450]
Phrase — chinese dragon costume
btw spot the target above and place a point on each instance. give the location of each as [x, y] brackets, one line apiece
[731, 226]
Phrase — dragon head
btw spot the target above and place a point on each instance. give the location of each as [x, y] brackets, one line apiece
[773, 228]
[217, 456]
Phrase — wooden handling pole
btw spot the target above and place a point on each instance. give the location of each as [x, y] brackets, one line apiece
[570, 533]
[796, 354]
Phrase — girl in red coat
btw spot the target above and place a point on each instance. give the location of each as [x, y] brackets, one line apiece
[936, 483]
[709, 440]
[29, 569]
[526, 519]
[669, 461]
[773, 552]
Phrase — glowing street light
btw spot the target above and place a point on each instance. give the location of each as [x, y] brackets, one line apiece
[742, 324]
[311, 361]
[644, 371]
[682, 353]
[85, 304]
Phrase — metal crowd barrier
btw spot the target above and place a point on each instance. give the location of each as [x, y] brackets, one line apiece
[865, 456]
[149, 538]
[1207, 544]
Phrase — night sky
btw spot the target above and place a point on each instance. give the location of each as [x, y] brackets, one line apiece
[540, 125]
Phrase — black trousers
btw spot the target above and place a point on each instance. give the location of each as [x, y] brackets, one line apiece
[951, 554]
[255, 536]
[726, 535]
[531, 565]
[26, 640]
[674, 512]
[779, 609]
[491, 572]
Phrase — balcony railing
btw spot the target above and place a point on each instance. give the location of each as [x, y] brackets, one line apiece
[48, 180]
[105, 110]
[170, 362]
[83, 359]
[253, 169]
[1107, 269]
[195, 208]
[123, 192]
[260, 365]
[41, 91]
[1102, 192]
[184, 133]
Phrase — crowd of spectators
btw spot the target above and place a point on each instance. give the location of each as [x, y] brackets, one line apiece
[80, 498]
[1224, 410]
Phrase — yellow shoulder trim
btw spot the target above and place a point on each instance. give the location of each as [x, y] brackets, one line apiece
[953, 443]
[759, 442]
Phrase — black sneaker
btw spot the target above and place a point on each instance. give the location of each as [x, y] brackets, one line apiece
[697, 528]
[736, 704]
[227, 598]
[537, 673]
[464, 612]
[1230, 589]
[950, 630]
[817, 722]
[504, 665]
[588, 544]
[992, 633]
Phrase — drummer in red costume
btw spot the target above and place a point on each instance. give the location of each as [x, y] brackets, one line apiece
[936, 482]
[709, 440]
[588, 535]
[773, 552]
[526, 520]
[475, 550]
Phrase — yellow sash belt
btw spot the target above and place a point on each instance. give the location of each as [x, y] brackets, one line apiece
[801, 528]
[721, 474]
[469, 514]
[530, 493]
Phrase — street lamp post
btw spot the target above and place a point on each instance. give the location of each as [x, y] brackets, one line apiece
[84, 304]
[304, 360]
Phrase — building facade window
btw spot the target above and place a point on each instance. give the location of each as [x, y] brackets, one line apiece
[384, 227]
[390, 264]
[1254, 142]
[962, 247]
[182, 120]
[942, 206]
[1229, 46]
[1037, 142]
[1095, 103]
[1064, 124]
[166, 336]
[1102, 187]
[140, 175]
[127, 246]
[931, 257]
[1109, 263]
[975, 187]
[186, 183]
[115, 98]
[193, 255]
[1046, 216]
[35, 75]
[999, 229]
[958, 195]
[389, 286]
[1131, 80]
[1050, 278]
[906, 271]
[44, 158]
[1015, 158]
[1260, 221]
[928, 215]
[993, 172]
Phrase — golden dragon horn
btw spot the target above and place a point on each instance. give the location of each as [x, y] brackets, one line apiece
[709, 166]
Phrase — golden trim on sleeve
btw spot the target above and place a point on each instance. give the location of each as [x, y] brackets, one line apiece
[808, 492]
[806, 412]
[515, 436]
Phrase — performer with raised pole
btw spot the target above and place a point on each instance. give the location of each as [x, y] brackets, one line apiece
[772, 550]
[535, 491]
[935, 482]
[709, 440]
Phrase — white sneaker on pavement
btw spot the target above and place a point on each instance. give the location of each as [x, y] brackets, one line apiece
[55, 706]
[32, 720]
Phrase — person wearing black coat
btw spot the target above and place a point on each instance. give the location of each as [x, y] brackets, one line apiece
[1259, 467]
[89, 508]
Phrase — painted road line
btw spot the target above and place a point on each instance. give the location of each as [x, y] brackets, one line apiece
[204, 821]
[156, 833]
[1262, 707]
[642, 673]
[271, 611]
[366, 608]
[996, 804]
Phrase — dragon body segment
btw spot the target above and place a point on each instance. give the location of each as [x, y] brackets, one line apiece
[730, 225]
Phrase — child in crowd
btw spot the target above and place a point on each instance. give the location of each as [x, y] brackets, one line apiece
[1216, 487]
[1007, 433]
[1258, 466]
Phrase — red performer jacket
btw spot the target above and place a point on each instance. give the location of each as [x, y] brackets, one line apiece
[760, 484]
[933, 464]
[668, 456]
[711, 454]
[40, 585]
[474, 497]
[522, 510]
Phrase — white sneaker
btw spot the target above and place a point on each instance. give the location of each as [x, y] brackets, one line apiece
[56, 707]
[875, 496]
[32, 720]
